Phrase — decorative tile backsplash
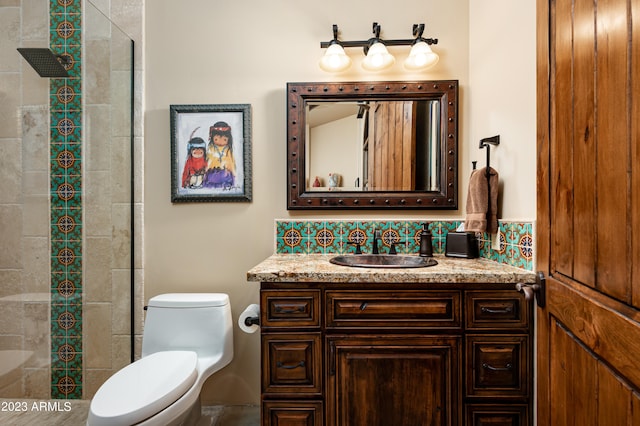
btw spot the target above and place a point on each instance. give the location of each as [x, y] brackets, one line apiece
[339, 237]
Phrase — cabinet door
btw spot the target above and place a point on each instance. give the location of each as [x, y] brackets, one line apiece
[393, 380]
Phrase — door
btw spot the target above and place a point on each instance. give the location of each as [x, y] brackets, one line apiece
[392, 161]
[588, 242]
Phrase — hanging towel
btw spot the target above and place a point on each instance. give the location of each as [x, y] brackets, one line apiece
[479, 203]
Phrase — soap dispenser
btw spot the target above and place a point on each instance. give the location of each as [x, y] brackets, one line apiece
[426, 248]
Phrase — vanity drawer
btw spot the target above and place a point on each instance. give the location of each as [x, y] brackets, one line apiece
[496, 309]
[497, 366]
[290, 308]
[291, 363]
[397, 309]
[292, 413]
[497, 415]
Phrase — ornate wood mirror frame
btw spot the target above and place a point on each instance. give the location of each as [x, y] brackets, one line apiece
[301, 95]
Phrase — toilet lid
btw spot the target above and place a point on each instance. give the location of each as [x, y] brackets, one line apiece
[144, 388]
[189, 300]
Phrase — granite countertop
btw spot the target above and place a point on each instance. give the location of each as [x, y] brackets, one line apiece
[316, 268]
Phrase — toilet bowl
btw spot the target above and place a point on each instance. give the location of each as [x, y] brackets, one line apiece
[187, 337]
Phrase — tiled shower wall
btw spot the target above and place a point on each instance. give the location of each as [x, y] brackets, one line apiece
[25, 351]
[64, 202]
[514, 244]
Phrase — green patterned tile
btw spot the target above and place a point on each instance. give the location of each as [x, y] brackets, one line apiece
[67, 318]
[57, 7]
[65, 98]
[354, 235]
[63, 26]
[282, 227]
[66, 383]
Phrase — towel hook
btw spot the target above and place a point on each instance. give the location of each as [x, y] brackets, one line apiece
[484, 143]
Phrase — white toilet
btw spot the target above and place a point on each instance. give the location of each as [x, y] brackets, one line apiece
[187, 337]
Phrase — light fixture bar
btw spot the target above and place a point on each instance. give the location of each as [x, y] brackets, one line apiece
[365, 43]
[377, 57]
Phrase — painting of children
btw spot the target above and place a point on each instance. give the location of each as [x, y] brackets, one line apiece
[217, 142]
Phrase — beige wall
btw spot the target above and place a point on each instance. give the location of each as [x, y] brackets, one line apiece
[502, 98]
[203, 52]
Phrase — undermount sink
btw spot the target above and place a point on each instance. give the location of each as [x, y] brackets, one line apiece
[383, 261]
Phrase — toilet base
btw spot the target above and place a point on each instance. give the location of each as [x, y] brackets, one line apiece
[191, 417]
[194, 415]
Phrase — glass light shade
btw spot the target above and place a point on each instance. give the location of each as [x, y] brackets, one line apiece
[334, 59]
[378, 58]
[421, 57]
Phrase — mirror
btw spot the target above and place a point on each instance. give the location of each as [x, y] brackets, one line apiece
[372, 145]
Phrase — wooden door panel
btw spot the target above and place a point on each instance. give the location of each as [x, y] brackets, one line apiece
[407, 150]
[588, 335]
[562, 125]
[393, 137]
[584, 391]
[584, 158]
[591, 183]
[603, 325]
[635, 153]
[612, 124]
[573, 382]
[615, 398]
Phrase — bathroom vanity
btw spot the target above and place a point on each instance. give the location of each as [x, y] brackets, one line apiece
[450, 344]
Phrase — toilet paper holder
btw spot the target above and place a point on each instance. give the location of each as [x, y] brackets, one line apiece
[249, 321]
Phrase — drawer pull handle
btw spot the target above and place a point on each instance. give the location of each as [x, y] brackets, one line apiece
[507, 310]
[295, 310]
[290, 367]
[507, 367]
[363, 306]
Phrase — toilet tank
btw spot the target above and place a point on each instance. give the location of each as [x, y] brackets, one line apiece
[199, 322]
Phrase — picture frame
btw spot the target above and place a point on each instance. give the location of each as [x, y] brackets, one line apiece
[211, 153]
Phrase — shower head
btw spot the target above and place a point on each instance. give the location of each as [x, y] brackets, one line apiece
[45, 62]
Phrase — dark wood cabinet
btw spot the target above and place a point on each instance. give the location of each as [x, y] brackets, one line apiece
[394, 380]
[395, 354]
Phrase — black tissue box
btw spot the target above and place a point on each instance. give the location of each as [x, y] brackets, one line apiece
[462, 244]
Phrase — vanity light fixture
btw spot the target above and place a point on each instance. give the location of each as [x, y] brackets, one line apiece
[377, 56]
[335, 59]
[421, 56]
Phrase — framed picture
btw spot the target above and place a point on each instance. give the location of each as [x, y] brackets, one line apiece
[210, 153]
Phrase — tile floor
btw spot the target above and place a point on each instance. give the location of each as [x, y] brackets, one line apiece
[15, 412]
